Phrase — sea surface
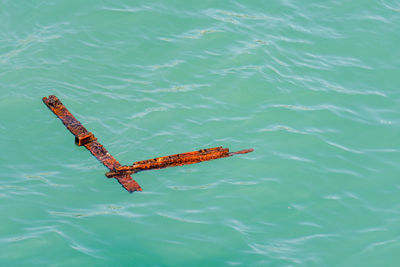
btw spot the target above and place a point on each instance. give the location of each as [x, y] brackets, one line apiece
[312, 86]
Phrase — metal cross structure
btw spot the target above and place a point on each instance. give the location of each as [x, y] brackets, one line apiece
[123, 173]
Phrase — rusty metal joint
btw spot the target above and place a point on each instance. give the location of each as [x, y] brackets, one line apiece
[84, 139]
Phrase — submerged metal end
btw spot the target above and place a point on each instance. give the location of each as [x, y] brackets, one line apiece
[244, 151]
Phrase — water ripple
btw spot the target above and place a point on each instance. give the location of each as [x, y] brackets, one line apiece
[292, 157]
[176, 89]
[97, 211]
[392, 6]
[274, 128]
[180, 219]
[41, 35]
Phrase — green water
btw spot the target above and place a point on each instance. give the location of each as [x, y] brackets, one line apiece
[312, 86]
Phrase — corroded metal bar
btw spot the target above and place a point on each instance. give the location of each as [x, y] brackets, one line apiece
[176, 160]
[122, 173]
[85, 138]
[179, 159]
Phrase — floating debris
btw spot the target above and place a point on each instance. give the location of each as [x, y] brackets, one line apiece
[123, 173]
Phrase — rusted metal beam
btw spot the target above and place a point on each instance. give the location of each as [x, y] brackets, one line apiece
[122, 173]
[85, 138]
[176, 160]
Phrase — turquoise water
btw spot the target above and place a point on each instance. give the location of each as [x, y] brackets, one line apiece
[312, 86]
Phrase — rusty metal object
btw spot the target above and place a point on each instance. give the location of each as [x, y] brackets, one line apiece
[87, 139]
[176, 160]
[122, 173]
[83, 139]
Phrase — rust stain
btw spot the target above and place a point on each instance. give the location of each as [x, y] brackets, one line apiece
[123, 173]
